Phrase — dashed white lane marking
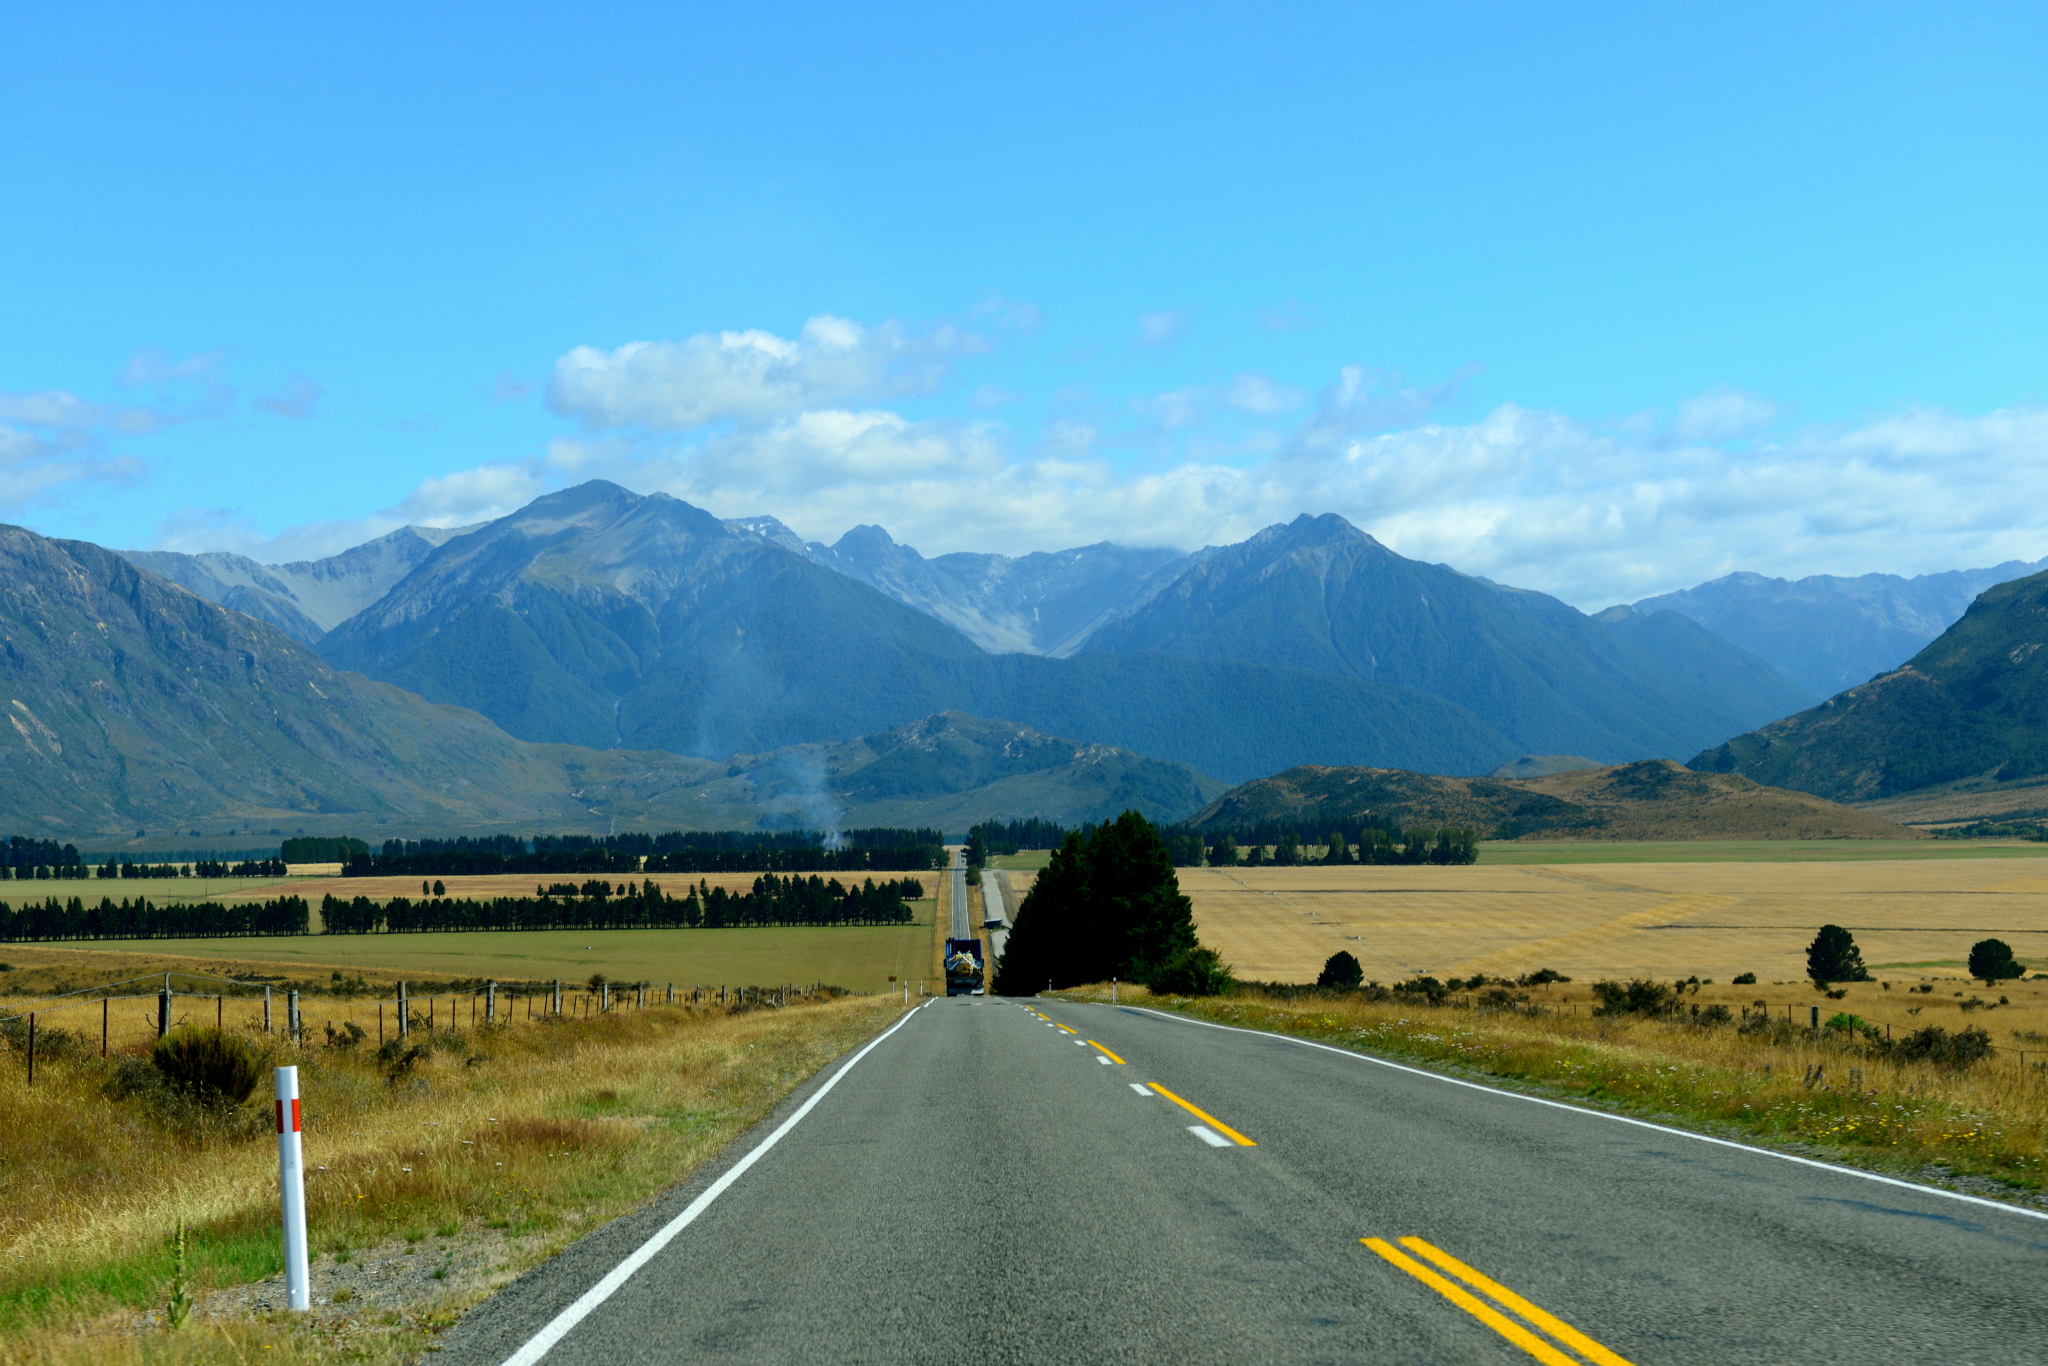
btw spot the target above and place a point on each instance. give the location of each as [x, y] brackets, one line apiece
[1141, 1090]
[1208, 1136]
[1104, 1061]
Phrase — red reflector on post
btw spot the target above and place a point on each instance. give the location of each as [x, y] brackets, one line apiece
[295, 1114]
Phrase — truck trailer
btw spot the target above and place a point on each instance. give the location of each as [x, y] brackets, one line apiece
[964, 972]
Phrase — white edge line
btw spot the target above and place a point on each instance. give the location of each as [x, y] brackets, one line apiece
[1618, 1119]
[558, 1327]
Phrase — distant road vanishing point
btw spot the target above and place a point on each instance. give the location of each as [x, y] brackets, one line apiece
[1020, 1181]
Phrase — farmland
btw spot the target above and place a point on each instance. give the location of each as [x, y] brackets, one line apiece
[1915, 916]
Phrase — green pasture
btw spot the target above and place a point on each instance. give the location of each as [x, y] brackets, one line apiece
[857, 957]
[162, 890]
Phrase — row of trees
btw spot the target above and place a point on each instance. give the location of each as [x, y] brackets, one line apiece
[143, 919]
[772, 900]
[1367, 845]
[912, 858]
[23, 857]
[1007, 837]
[475, 862]
[679, 851]
[1108, 905]
[320, 849]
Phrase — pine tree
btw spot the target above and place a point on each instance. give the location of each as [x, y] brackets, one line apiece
[1834, 957]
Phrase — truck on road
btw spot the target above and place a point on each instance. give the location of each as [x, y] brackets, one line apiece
[964, 972]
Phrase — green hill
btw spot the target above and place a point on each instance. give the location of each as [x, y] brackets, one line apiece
[1972, 705]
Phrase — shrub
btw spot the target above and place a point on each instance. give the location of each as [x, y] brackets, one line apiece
[1638, 997]
[1936, 1045]
[1540, 978]
[214, 1068]
[1501, 998]
[1193, 972]
[1712, 1015]
[1854, 1024]
[1744, 979]
[1341, 970]
[1428, 988]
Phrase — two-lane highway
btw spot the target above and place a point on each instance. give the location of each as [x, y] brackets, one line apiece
[1032, 1181]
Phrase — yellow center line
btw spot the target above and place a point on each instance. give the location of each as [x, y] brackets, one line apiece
[1105, 1052]
[1471, 1304]
[1549, 1323]
[1218, 1125]
[1064, 1029]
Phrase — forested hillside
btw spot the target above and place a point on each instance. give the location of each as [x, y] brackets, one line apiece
[1655, 799]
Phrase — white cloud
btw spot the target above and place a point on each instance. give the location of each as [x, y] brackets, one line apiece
[1163, 328]
[460, 498]
[295, 400]
[1592, 513]
[1250, 393]
[1722, 413]
[750, 377]
[1173, 409]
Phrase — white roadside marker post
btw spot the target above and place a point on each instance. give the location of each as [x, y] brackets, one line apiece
[291, 1180]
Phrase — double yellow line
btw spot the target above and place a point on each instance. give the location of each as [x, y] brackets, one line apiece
[1214, 1123]
[1504, 1298]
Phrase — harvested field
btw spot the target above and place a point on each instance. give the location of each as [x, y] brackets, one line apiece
[1914, 918]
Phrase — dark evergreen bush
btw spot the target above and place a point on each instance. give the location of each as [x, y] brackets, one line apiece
[1342, 970]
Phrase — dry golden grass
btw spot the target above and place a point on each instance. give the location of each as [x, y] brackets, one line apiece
[1829, 1094]
[540, 1130]
[1912, 918]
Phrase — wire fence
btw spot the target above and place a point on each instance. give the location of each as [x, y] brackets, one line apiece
[283, 1014]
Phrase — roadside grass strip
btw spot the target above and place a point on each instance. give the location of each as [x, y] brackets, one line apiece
[1587, 1349]
[1215, 1125]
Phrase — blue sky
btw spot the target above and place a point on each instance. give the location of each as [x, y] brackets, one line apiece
[1603, 300]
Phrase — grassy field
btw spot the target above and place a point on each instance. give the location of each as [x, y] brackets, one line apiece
[1029, 860]
[1752, 851]
[1829, 1095]
[432, 1178]
[1640, 919]
[857, 957]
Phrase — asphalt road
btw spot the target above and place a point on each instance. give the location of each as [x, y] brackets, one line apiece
[987, 1185]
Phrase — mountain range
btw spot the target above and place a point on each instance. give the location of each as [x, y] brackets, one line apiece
[1827, 633]
[600, 649]
[307, 598]
[1319, 595]
[1046, 603]
[137, 708]
[599, 617]
[1971, 709]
